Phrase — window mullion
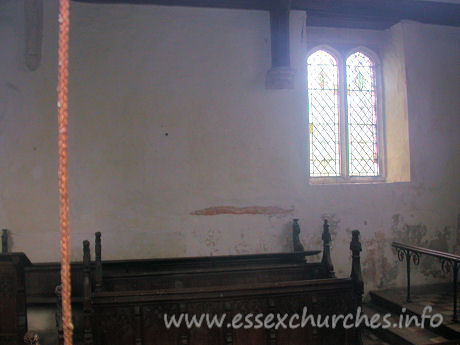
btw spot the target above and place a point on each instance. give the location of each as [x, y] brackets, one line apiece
[343, 120]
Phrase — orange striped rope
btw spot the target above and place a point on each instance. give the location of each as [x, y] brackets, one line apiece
[63, 74]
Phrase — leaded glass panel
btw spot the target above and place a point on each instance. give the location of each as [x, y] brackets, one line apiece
[362, 116]
[323, 114]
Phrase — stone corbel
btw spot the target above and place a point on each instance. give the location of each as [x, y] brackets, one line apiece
[281, 75]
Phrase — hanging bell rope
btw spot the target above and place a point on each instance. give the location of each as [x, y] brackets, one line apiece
[63, 74]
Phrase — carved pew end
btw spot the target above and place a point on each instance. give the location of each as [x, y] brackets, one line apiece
[326, 260]
[298, 247]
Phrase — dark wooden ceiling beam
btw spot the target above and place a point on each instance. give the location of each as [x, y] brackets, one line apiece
[367, 23]
[387, 10]
[230, 4]
[349, 12]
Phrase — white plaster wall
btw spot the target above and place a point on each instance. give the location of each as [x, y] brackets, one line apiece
[139, 72]
[397, 148]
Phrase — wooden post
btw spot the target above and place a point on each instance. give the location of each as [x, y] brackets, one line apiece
[298, 247]
[357, 278]
[60, 330]
[98, 263]
[138, 324]
[88, 335]
[327, 261]
[455, 267]
[228, 335]
[281, 75]
[272, 333]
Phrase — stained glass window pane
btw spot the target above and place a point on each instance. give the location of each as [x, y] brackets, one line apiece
[362, 116]
[323, 115]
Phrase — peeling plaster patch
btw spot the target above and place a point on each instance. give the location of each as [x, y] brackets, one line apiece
[419, 235]
[376, 265]
[430, 267]
[212, 237]
[268, 210]
[241, 247]
[405, 233]
[380, 263]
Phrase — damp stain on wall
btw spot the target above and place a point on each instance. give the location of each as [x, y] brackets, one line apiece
[420, 235]
[211, 239]
[378, 265]
[251, 210]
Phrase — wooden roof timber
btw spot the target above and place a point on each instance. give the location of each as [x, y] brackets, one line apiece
[371, 14]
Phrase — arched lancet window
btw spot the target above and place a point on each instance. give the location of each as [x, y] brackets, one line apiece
[323, 114]
[362, 116]
[343, 116]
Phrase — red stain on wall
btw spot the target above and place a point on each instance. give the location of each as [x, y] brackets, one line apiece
[268, 210]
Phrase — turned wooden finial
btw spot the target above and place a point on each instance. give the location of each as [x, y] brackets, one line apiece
[98, 247]
[86, 255]
[4, 241]
[327, 261]
[298, 247]
[356, 275]
[98, 263]
[31, 338]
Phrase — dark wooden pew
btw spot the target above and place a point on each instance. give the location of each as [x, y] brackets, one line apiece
[13, 312]
[212, 276]
[42, 278]
[195, 272]
[128, 308]
[137, 317]
[131, 289]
